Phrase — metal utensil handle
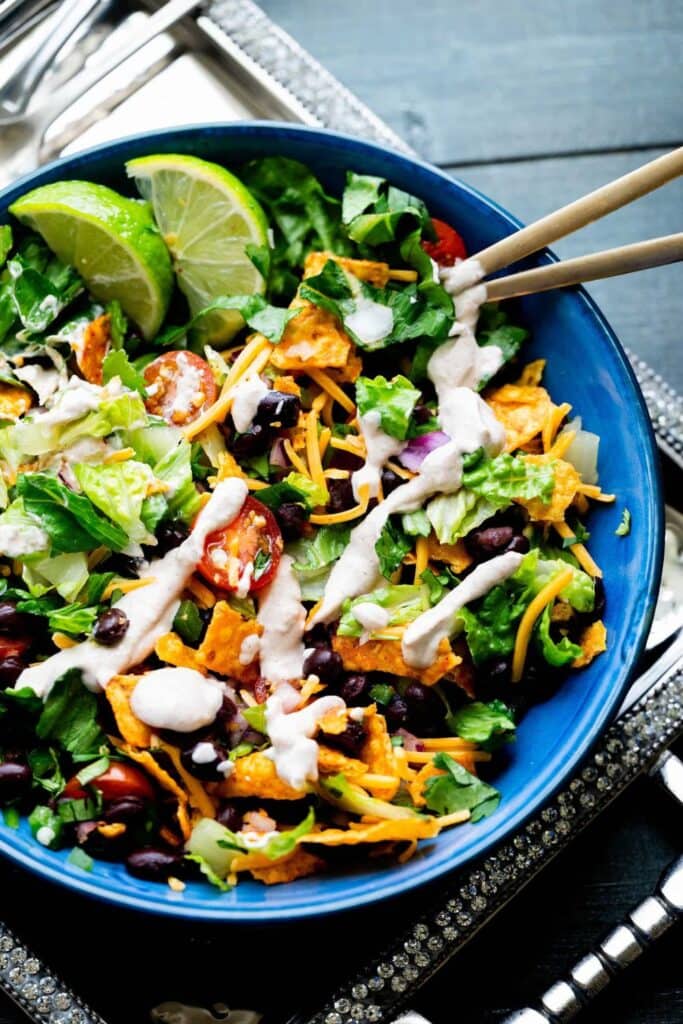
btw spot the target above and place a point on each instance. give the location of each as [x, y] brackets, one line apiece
[59, 28]
[625, 943]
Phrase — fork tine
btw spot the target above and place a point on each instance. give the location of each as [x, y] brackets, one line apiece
[18, 16]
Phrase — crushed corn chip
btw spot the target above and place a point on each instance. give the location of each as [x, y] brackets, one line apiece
[14, 401]
[255, 775]
[561, 612]
[332, 762]
[91, 348]
[308, 690]
[566, 482]
[378, 754]
[379, 832]
[287, 385]
[296, 865]
[220, 648]
[386, 656]
[171, 649]
[532, 374]
[365, 270]
[314, 338]
[417, 784]
[455, 555]
[593, 641]
[334, 722]
[522, 409]
[118, 692]
[166, 781]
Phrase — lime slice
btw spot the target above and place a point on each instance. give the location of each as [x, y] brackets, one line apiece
[207, 218]
[112, 242]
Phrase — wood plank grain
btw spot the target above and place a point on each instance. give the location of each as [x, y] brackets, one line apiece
[488, 80]
[645, 309]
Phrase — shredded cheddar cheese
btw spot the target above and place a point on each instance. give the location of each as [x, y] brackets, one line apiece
[315, 465]
[253, 357]
[552, 424]
[298, 463]
[63, 642]
[126, 586]
[324, 381]
[421, 557]
[528, 620]
[332, 518]
[579, 552]
[121, 456]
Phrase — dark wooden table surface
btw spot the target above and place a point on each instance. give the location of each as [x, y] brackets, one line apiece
[534, 102]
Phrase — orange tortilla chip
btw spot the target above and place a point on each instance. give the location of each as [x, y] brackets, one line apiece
[296, 865]
[379, 832]
[14, 401]
[312, 339]
[455, 555]
[334, 722]
[593, 642]
[332, 762]
[417, 784]
[386, 656]
[567, 480]
[92, 348]
[166, 781]
[118, 692]
[308, 690]
[522, 409]
[255, 775]
[220, 648]
[378, 754]
[371, 271]
[287, 385]
[532, 374]
[170, 648]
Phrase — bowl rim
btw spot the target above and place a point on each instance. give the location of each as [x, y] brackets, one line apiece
[565, 757]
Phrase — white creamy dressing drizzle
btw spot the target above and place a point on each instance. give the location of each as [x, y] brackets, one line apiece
[370, 321]
[75, 399]
[283, 618]
[371, 616]
[379, 447]
[249, 649]
[257, 840]
[294, 751]
[246, 395]
[422, 637]
[150, 610]
[17, 540]
[189, 384]
[180, 699]
[44, 382]
[454, 369]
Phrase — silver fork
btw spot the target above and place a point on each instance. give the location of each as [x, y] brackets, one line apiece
[22, 136]
[16, 93]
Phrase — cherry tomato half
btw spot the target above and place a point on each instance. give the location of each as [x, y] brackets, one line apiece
[448, 247]
[117, 781]
[180, 386]
[244, 555]
[13, 647]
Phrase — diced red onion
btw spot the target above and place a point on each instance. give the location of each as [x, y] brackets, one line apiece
[416, 451]
[410, 742]
[277, 455]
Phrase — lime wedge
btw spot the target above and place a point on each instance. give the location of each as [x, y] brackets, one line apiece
[112, 242]
[207, 218]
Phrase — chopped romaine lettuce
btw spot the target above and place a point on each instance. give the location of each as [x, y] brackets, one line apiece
[556, 652]
[394, 400]
[118, 489]
[404, 602]
[487, 725]
[314, 558]
[71, 520]
[392, 546]
[67, 574]
[175, 469]
[459, 790]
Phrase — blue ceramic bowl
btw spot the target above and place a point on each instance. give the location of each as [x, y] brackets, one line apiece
[587, 367]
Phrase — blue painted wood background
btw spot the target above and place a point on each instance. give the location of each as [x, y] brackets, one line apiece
[534, 102]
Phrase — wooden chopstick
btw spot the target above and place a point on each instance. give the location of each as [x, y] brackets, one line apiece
[624, 260]
[581, 212]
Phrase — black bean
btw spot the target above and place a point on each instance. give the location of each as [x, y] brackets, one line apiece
[204, 769]
[350, 741]
[519, 543]
[11, 668]
[111, 627]
[325, 664]
[354, 689]
[253, 442]
[229, 816]
[493, 679]
[318, 636]
[278, 408]
[341, 495]
[124, 565]
[125, 809]
[12, 621]
[226, 712]
[103, 847]
[390, 481]
[425, 709]
[396, 713]
[15, 781]
[170, 535]
[291, 518]
[154, 864]
[488, 541]
[422, 414]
